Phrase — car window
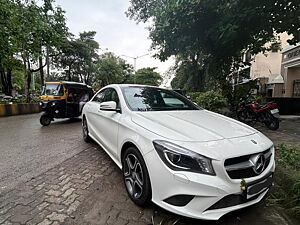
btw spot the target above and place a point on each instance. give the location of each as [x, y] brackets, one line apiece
[100, 97]
[107, 95]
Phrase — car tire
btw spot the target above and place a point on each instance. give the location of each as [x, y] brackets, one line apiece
[85, 131]
[136, 177]
[45, 120]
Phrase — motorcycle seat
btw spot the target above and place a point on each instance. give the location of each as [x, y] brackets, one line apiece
[259, 106]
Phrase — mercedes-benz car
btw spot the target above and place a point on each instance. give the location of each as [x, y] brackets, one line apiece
[186, 159]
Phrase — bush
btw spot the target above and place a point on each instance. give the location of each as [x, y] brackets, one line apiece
[286, 192]
[289, 156]
[193, 95]
[18, 100]
[212, 100]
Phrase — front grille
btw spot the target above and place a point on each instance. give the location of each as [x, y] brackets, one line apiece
[243, 166]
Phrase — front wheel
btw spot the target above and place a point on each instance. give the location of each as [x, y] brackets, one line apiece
[273, 123]
[45, 120]
[136, 177]
[85, 131]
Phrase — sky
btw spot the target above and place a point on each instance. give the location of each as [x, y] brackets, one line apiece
[115, 32]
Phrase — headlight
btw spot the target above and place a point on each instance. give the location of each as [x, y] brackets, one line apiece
[181, 159]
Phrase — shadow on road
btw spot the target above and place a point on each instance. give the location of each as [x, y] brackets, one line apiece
[58, 122]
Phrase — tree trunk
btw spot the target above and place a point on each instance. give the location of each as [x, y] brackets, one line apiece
[42, 75]
[69, 74]
[9, 82]
[27, 79]
[6, 81]
[48, 62]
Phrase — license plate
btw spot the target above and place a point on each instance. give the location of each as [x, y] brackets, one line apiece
[259, 187]
[273, 111]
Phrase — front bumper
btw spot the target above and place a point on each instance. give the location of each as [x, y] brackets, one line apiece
[206, 191]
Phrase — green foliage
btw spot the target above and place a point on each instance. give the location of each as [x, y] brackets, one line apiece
[289, 156]
[286, 192]
[215, 33]
[215, 27]
[258, 99]
[240, 91]
[19, 100]
[211, 100]
[190, 75]
[145, 76]
[193, 95]
[78, 57]
[29, 31]
[110, 69]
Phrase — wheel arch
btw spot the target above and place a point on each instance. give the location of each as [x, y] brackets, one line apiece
[127, 145]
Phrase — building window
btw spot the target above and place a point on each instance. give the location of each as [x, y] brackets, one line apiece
[275, 47]
[296, 89]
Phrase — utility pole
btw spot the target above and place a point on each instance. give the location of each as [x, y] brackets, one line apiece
[134, 63]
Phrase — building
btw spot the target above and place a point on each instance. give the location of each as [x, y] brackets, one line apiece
[290, 70]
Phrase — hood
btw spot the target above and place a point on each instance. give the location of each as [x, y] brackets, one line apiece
[194, 125]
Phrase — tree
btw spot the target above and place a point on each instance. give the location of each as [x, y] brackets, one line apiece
[87, 55]
[146, 76]
[78, 57]
[8, 48]
[190, 75]
[29, 32]
[111, 69]
[218, 30]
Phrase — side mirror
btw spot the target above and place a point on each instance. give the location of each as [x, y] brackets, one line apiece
[109, 106]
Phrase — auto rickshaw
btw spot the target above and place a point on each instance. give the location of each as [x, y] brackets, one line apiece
[63, 99]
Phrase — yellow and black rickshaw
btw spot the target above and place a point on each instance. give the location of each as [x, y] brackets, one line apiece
[63, 99]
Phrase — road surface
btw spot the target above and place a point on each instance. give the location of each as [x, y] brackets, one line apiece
[28, 149]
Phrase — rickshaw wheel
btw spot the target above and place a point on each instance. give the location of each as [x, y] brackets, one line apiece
[45, 120]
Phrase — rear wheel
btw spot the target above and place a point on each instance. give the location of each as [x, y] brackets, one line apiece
[273, 123]
[136, 177]
[85, 131]
[45, 120]
[242, 114]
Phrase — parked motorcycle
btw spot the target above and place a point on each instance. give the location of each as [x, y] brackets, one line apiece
[249, 111]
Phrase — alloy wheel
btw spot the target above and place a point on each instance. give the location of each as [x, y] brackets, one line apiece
[133, 174]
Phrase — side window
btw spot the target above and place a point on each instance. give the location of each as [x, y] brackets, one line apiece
[114, 96]
[100, 96]
[107, 95]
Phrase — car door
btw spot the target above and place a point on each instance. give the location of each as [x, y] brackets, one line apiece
[91, 110]
[106, 123]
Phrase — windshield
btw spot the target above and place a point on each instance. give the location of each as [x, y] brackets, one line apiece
[155, 99]
[53, 89]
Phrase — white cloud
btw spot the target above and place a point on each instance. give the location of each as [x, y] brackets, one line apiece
[114, 30]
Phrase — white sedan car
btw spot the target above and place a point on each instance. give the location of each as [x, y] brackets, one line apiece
[187, 160]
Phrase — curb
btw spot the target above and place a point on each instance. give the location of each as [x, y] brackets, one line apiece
[19, 109]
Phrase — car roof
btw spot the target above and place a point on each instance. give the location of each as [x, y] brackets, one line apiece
[132, 85]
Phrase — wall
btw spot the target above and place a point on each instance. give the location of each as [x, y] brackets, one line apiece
[18, 109]
[268, 63]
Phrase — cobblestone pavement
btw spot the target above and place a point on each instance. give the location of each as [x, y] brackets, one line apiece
[87, 189]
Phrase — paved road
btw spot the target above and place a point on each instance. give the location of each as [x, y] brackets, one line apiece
[52, 177]
[28, 149]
